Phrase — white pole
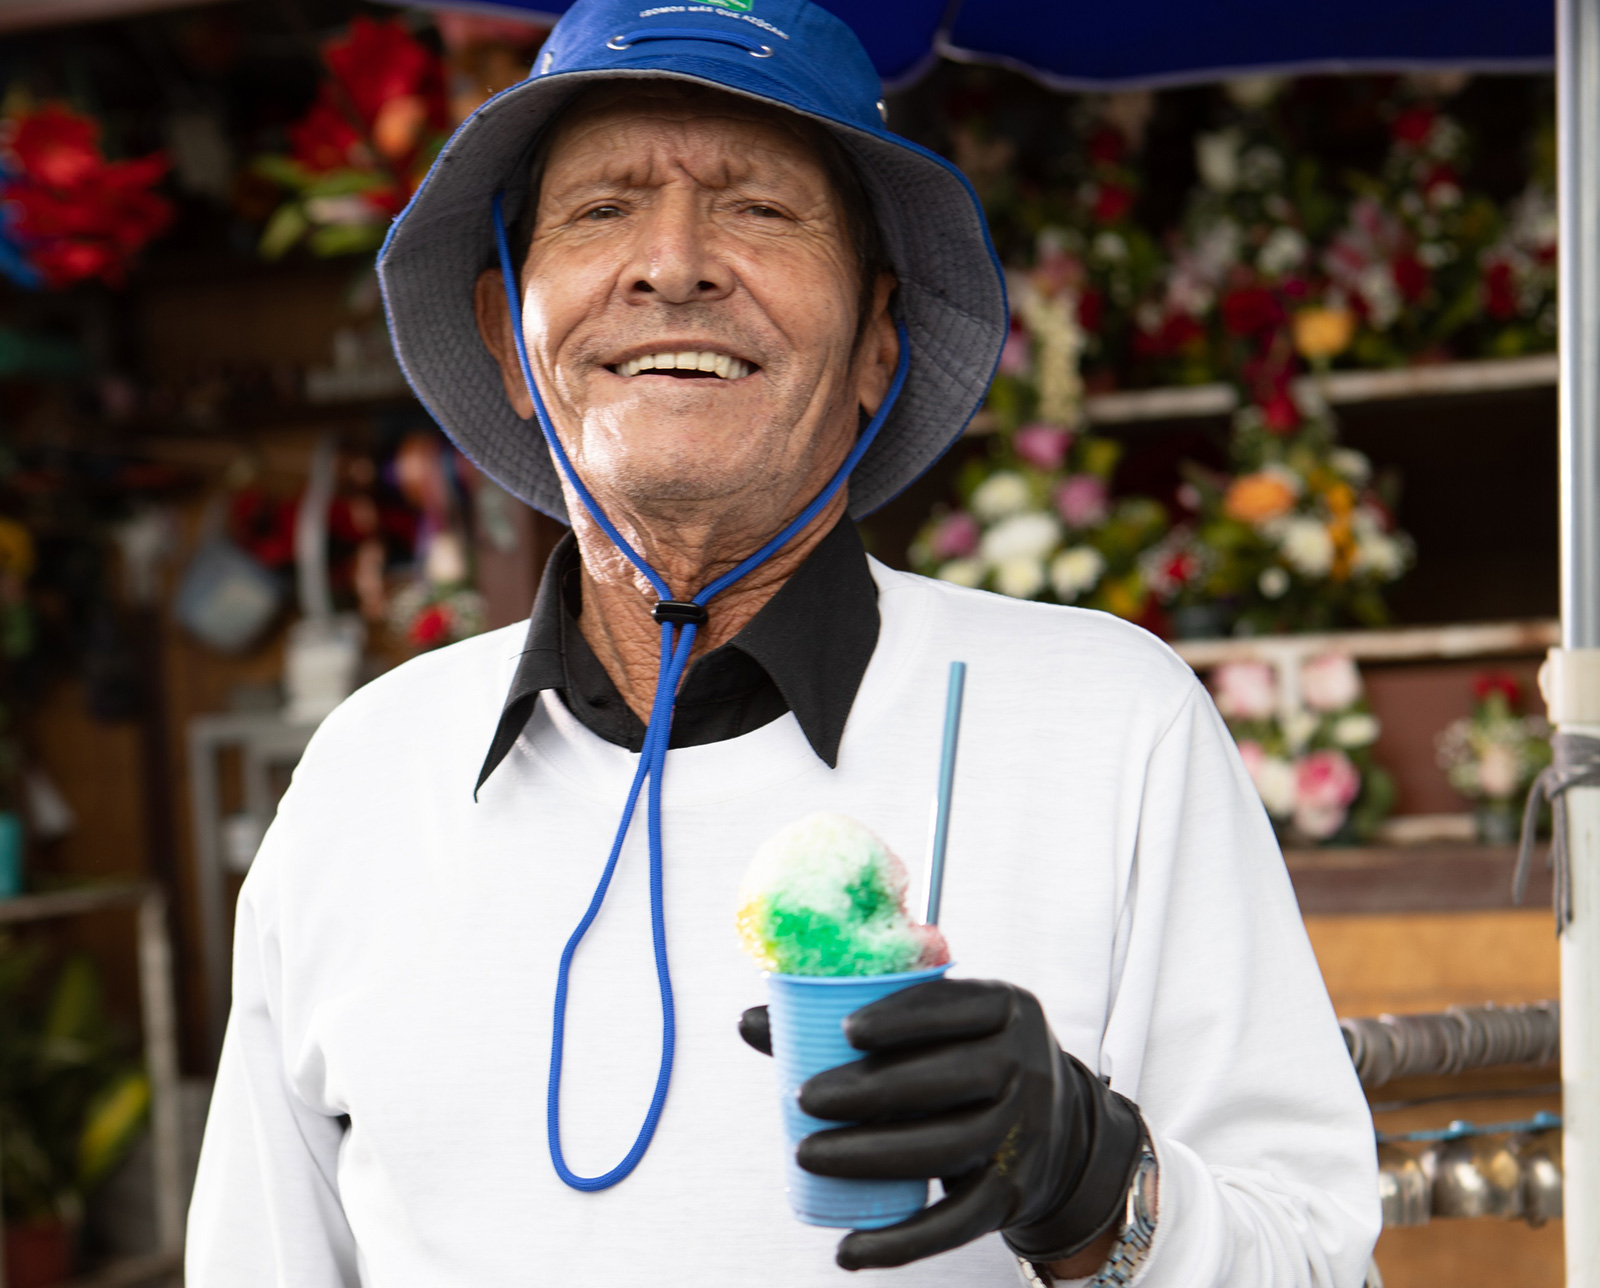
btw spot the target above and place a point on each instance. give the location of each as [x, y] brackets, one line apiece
[1572, 676]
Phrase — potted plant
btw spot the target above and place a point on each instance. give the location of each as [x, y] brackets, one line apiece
[72, 1104]
[1492, 756]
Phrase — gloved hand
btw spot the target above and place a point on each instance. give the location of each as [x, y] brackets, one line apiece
[963, 1080]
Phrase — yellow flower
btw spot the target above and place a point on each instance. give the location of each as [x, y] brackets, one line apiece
[1255, 498]
[1320, 334]
[16, 550]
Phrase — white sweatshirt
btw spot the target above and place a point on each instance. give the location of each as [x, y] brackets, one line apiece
[396, 950]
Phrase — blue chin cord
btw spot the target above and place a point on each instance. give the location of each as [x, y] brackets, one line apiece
[679, 619]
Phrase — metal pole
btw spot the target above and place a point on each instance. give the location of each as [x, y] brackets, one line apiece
[1572, 676]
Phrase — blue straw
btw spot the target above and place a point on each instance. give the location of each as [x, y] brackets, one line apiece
[947, 780]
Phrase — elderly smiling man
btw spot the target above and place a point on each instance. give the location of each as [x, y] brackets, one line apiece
[683, 289]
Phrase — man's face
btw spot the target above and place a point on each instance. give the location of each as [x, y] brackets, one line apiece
[690, 303]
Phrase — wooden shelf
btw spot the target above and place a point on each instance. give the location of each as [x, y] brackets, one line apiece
[1418, 878]
[1339, 388]
[1410, 644]
[70, 903]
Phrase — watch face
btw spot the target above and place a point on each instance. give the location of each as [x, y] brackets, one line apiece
[1144, 1192]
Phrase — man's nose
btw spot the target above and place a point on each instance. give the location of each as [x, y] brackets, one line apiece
[676, 258]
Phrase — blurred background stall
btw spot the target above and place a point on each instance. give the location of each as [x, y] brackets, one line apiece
[1280, 387]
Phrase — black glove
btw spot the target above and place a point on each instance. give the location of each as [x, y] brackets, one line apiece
[963, 1080]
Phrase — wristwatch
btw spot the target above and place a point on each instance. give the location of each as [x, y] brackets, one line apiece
[1132, 1248]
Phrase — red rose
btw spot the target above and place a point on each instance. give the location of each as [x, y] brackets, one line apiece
[57, 147]
[1091, 308]
[1411, 277]
[1279, 413]
[323, 140]
[429, 626]
[381, 60]
[1414, 125]
[1250, 310]
[1497, 682]
[1111, 203]
[1176, 332]
[1107, 146]
[1500, 291]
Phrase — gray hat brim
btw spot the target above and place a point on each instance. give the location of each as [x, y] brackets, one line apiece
[951, 290]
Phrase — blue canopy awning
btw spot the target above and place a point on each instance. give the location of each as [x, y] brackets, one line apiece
[1168, 42]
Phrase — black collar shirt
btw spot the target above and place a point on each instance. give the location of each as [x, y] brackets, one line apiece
[805, 651]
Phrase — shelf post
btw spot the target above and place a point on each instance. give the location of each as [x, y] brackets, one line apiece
[1572, 678]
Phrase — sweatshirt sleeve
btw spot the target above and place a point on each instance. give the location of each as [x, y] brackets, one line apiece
[266, 1208]
[1221, 1030]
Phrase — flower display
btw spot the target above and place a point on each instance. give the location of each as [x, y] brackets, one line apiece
[71, 215]
[1492, 756]
[355, 157]
[1038, 519]
[1310, 759]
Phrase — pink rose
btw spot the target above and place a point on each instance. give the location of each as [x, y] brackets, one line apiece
[955, 537]
[1014, 355]
[1082, 501]
[1245, 690]
[1044, 446]
[1325, 785]
[1330, 682]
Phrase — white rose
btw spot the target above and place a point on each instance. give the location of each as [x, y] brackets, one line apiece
[1031, 535]
[1298, 727]
[1319, 822]
[1497, 771]
[1307, 545]
[1109, 247]
[1284, 249]
[1074, 571]
[1330, 682]
[1021, 578]
[1245, 690]
[962, 572]
[1273, 582]
[1350, 465]
[1216, 156]
[1358, 729]
[1377, 286]
[1274, 778]
[1378, 554]
[999, 495]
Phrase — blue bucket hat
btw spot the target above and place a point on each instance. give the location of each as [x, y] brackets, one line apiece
[788, 53]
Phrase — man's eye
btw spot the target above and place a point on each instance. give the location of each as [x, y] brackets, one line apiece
[765, 212]
[603, 212]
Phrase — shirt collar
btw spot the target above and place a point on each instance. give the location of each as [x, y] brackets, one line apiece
[813, 639]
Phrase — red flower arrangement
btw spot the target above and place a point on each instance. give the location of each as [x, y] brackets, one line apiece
[71, 214]
[363, 145]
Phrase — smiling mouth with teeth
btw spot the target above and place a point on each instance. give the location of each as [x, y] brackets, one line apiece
[689, 364]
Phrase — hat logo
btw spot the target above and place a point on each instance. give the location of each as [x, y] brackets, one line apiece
[738, 6]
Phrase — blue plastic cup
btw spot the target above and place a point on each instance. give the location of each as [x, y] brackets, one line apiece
[807, 1014]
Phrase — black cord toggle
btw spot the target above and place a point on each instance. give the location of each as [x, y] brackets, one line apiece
[683, 611]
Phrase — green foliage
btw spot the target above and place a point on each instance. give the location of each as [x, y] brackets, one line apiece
[71, 1102]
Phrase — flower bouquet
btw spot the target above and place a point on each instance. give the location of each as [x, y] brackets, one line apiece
[1299, 539]
[70, 214]
[377, 123]
[1492, 756]
[1037, 519]
[1307, 747]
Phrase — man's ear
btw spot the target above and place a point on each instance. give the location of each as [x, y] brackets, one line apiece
[494, 325]
[879, 351]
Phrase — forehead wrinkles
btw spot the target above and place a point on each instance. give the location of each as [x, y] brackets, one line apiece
[715, 151]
